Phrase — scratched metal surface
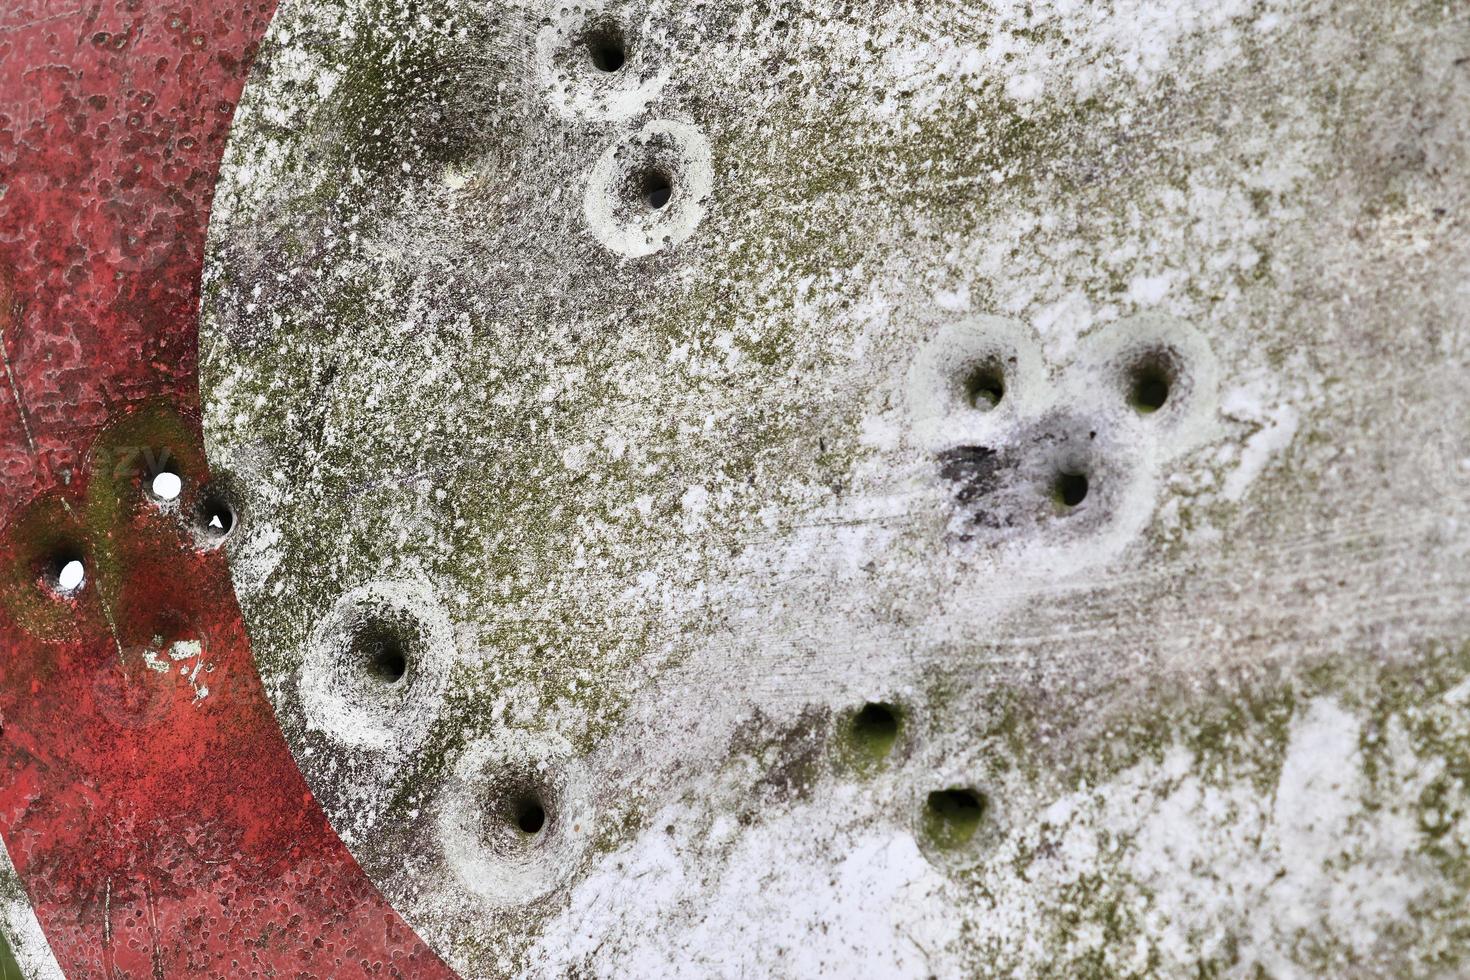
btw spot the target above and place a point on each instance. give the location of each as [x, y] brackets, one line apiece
[148, 801]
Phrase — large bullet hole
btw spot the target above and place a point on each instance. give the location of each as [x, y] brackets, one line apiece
[655, 188]
[874, 731]
[952, 816]
[985, 386]
[1149, 382]
[607, 49]
[1069, 488]
[529, 814]
[378, 647]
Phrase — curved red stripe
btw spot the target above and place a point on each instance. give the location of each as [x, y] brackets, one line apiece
[149, 800]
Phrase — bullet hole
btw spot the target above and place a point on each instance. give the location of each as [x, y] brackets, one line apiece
[379, 648]
[161, 478]
[655, 188]
[952, 816]
[874, 731]
[1149, 382]
[66, 574]
[166, 487]
[607, 49]
[521, 811]
[514, 822]
[529, 814]
[1069, 488]
[985, 386]
[649, 190]
[216, 518]
[389, 665]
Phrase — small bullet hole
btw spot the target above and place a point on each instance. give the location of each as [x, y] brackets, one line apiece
[67, 574]
[1148, 388]
[530, 815]
[607, 50]
[216, 517]
[167, 487]
[952, 816]
[985, 386]
[874, 730]
[656, 188]
[1070, 488]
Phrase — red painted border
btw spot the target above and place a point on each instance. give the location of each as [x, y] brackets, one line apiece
[158, 831]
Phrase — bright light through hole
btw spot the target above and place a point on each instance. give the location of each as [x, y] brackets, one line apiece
[167, 486]
[71, 576]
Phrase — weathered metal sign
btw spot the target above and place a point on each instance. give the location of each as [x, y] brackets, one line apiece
[721, 489]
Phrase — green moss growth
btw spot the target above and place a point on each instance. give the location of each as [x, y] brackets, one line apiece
[393, 109]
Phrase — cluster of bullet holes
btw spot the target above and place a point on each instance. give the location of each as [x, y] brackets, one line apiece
[64, 570]
[1020, 448]
[373, 679]
[608, 52]
[1149, 380]
[647, 191]
[212, 515]
[951, 817]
